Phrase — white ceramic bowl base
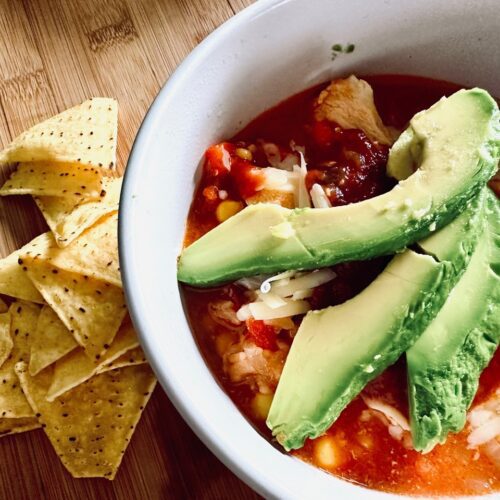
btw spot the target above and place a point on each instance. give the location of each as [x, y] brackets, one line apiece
[264, 54]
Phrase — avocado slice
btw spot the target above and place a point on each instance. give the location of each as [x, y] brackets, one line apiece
[445, 363]
[338, 350]
[455, 144]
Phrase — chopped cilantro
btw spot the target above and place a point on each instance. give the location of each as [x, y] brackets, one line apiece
[338, 48]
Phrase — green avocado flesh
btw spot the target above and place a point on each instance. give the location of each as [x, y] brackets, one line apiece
[445, 363]
[338, 350]
[456, 146]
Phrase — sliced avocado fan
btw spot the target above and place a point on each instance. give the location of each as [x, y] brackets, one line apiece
[338, 350]
[445, 363]
[456, 146]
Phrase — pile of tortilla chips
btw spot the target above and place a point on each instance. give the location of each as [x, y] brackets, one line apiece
[70, 361]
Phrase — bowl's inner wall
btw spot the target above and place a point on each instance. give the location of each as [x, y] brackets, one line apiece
[263, 56]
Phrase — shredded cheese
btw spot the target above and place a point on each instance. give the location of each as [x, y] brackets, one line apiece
[283, 295]
[272, 300]
[244, 313]
[287, 176]
[266, 285]
[302, 294]
[303, 283]
[277, 179]
[301, 195]
[260, 310]
[252, 282]
[319, 198]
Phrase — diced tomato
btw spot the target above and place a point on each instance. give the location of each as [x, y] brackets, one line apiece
[246, 177]
[263, 335]
[218, 159]
[211, 193]
[230, 172]
[346, 163]
[323, 133]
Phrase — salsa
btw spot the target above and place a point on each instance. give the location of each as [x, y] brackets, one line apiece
[361, 446]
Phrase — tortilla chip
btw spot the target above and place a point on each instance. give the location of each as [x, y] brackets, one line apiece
[13, 404]
[51, 341]
[13, 281]
[91, 310]
[3, 306]
[91, 425]
[6, 342]
[84, 134]
[69, 217]
[93, 254]
[76, 367]
[54, 179]
[17, 425]
[132, 357]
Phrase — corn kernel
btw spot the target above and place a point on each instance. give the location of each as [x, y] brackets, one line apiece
[327, 453]
[244, 154]
[227, 209]
[261, 404]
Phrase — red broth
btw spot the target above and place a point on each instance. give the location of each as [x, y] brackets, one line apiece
[364, 450]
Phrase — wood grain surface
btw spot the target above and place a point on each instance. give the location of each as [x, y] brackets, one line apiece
[54, 54]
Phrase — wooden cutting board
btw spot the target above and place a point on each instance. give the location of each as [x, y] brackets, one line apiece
[54, 54]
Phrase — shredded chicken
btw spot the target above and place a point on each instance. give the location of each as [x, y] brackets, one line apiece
[223, 313]
[397, 424]
[484, 428]
[349, 102]
[259, 368]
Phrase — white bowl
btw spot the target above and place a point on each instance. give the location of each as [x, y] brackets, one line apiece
[266, 53]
